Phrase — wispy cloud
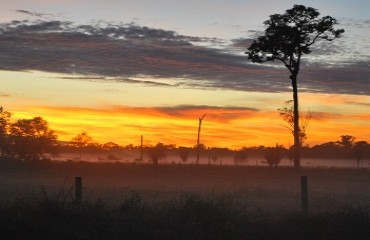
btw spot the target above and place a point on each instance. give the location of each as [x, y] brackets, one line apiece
[4, 95]
[139, 54]
[34, 14]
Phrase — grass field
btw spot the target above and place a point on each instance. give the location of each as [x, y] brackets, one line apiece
[258, 188]
[126, 201]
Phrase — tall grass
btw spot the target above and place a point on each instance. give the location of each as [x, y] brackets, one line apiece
[187, 216]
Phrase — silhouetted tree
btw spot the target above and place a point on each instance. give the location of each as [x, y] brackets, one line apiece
[359, 151]
[290, 154]
[347, 141]
[273, 155]
[111, 146]
[184, 153]
[241, 156]
[200, 150]
[30, 139]
[157, 152]
[214, 157]
[198, 138]
[216, 153]
[80, 141]
[287, 113]
[346, 144]
[287, 38]
[4, 128]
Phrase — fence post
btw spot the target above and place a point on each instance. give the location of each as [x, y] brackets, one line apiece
[304, 194]
[78, 187]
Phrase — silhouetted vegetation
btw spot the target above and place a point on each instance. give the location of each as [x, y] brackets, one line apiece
[184, 153]
[273, 155]
[346, 148]
[26, 139]
[241, 156]
[157, 152]
[360, 149]
[188, 216]
[287, 38]
[80, 141]
[4, 129]
[217, 154]
[32, 139]
[287, 113]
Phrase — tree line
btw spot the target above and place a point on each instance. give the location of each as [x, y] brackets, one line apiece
[33, 139]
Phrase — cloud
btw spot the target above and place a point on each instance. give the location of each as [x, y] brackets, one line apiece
[364, 104]
[222, 114]
[242, 43]
[190, 111]
[139, 54]
[4, 95]
[150, 83]
[34, 14]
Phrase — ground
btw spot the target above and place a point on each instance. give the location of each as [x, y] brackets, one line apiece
[257, 188]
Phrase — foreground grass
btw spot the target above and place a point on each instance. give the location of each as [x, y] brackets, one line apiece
[180, 202]
[187, 216]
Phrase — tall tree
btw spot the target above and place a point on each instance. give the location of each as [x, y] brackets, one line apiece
[30, 139]
[287, 38]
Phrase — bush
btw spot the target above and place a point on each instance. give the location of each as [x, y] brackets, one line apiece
[273, 155]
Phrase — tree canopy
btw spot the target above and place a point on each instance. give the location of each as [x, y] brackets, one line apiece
[290, 35]
[30, 139]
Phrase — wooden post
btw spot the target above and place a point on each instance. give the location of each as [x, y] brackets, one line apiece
[78, 187]
[304, 194]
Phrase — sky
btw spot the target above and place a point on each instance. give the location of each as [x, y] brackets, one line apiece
[122, 69]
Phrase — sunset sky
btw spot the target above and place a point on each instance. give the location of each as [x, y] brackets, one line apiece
[120, 69]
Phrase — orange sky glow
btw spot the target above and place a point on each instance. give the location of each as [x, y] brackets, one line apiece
[121, 113]
[221, 127]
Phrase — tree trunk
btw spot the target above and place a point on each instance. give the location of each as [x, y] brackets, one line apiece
[198, 139]
[297, 144]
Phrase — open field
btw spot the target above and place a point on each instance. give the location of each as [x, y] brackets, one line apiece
[128, 201]
[258, 188]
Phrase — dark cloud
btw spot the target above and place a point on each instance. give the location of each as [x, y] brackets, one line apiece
[150, 83]
[34, 14]
[205, 107]
[83, 78]
[213, 112]
[242, 43]
[129, 52]
[351, 78]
